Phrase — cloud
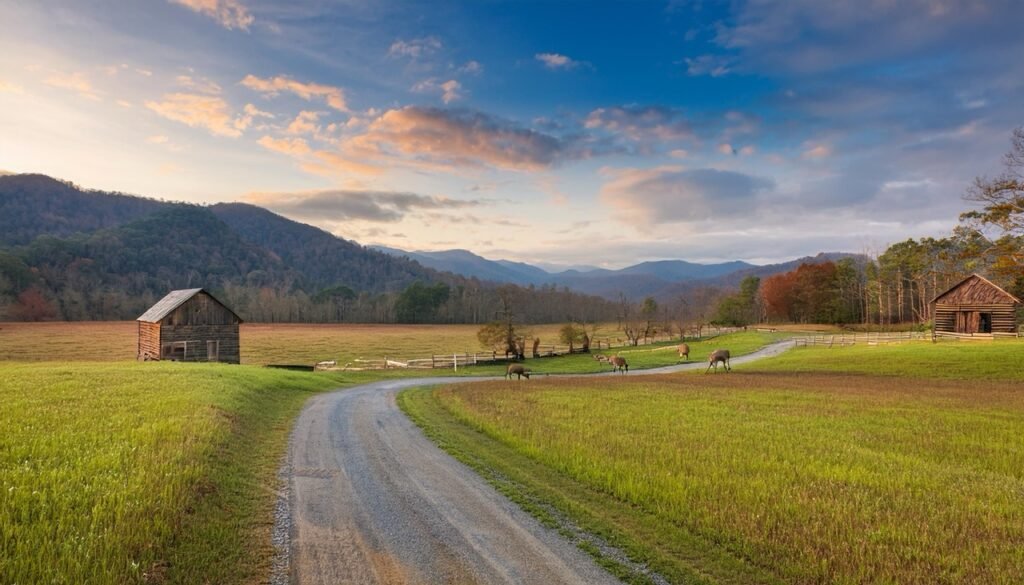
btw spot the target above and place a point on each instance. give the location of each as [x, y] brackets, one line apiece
[304, 123]
[341, 205]
[556, 61]
[641, 123]
[713, 65]
[249, 114]
[197, 111]
[333, 96]
[471, 68]
[816, 151]
[8, 87]
[810, 36]
[201, 84]
[448, 140]
[76, 82]
[158, 139]
[289, 146]
[415, 48]
[231, 14]
[449, 90]
[669, 194]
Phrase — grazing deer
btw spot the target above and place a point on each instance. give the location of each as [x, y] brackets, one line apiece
[519, 371]
[618, 364]
[719, 355]
[684, 351]
[600, 357]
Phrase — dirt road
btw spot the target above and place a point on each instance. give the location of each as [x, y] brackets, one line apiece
[372, 500]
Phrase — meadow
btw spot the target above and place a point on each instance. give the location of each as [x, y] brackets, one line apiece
[130, 473]
[307, 344]
[261, 343]
[838, 472]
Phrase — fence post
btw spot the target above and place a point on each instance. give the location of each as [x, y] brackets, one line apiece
[455, 360]
[385, 362]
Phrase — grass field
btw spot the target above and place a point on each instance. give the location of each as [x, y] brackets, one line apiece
[770, 475]
[308, 344]
[261, 343]
[122, 473]
[964, 360]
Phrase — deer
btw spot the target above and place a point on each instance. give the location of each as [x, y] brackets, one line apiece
[719, 355]
[600, 357]
[684, 351]
[619, 364]
[519, 370]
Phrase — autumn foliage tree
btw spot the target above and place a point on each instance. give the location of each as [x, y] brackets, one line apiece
[32, 305]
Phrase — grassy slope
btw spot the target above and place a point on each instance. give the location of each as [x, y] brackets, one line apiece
[997, 360]
[124, 472]
[843, 478]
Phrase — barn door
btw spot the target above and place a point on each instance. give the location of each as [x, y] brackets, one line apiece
[962, 322]
[213, 351]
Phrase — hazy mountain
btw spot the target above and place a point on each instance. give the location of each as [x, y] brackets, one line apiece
[662, 279]
[472, 265]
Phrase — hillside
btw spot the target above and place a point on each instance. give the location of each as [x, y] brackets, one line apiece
[322, 259]
[67, 253]
[35, 205]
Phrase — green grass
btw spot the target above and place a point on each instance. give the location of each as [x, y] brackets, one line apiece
[126, 473]
[958, 360]
[750, 477]
[642, 357]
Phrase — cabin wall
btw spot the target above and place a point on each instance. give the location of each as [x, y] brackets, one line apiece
[197, 337]
[1004, 316]
[149, 341]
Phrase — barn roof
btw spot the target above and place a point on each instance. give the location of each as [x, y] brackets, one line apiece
[979, 288]
[173, 300]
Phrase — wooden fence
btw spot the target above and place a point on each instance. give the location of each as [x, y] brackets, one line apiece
[457, 360]
[848, 339]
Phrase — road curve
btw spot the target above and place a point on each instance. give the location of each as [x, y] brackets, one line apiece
[372, 500]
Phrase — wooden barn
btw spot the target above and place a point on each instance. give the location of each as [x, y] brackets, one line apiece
[975, 306]
[189, 326]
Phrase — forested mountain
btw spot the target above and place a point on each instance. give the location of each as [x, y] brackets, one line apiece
[35, 205]
[66, 253]
[323, 259]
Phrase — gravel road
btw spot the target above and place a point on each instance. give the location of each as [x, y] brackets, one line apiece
[369, 499]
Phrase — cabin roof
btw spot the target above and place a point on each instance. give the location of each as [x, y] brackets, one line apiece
[172, 301]
[978, 285]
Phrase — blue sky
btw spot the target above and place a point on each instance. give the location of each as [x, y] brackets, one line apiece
[559, 132]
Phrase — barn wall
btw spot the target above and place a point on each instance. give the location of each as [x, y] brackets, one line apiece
[201, 309]
[149, 341]
[1004, 316]
[198, 335]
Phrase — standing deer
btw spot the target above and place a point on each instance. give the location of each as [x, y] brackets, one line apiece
[684, 351]
[618, 364]
[719, 355]
[519, 371]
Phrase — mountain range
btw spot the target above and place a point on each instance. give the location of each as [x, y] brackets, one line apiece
[661, 279]
[88, 247]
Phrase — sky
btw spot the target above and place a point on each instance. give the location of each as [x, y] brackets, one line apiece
[599, 133]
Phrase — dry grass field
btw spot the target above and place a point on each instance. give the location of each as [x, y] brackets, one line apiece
[261, 343]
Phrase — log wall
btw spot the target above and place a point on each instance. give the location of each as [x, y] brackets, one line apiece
[965, 318]
[149, 341]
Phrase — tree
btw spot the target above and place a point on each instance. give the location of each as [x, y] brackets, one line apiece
[33, 306]
[1002, 200]
[419, 302]
[571, 334]
[740, 309]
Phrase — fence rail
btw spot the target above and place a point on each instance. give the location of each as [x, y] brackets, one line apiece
[457, 360]
[848, 339]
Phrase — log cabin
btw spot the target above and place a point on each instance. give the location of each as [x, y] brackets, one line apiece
[975, 306]
[189, 325]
